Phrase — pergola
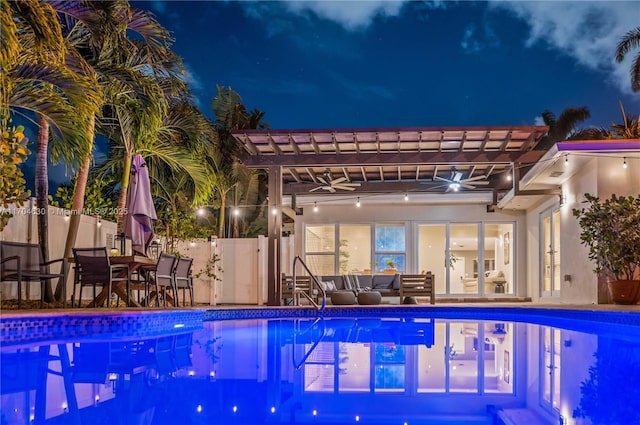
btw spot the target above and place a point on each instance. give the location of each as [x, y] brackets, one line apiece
[385, 160]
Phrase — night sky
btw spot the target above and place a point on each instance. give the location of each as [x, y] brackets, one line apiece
[358, 64]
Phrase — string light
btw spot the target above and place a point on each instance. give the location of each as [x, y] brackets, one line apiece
[315, 207]
[406, 196]
[624, 164]
[236, 212]
[358, 202]
[274, 211]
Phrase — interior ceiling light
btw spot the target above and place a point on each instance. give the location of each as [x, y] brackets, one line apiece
[315, 207]
[566, 160]
[358, 203]
[406, 196]
[624, 164]
[454, 186]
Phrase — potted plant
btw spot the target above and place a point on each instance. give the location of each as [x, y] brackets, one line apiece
[611, 231]
[391, 267]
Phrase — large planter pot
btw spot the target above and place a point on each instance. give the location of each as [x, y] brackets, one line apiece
[624, 291]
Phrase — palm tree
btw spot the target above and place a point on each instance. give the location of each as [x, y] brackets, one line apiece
[563, 127]
[231, 115]
[38, 79]
[630, 127]
[631, 40]
[125, 79]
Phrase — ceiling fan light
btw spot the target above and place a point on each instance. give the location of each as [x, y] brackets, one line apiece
[454, 186]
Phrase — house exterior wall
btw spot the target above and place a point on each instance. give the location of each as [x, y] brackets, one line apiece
[413, 214]
[601, 176]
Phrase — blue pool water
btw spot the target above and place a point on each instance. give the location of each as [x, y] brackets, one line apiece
[387, 366]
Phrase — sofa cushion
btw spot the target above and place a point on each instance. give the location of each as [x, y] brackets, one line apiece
[337, 280]
[328, 285]
[386, 281]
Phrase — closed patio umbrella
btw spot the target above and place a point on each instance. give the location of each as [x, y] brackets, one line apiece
[141, 213]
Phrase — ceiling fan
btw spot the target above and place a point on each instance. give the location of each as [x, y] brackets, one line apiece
[456, 182]
[331, 185]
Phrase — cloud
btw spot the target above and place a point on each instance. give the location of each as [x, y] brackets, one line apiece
[474, 40]
[588, 32]
[537, 120]
[353, 15]
[469, 43]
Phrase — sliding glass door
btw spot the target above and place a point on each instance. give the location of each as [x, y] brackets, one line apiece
[550, 247]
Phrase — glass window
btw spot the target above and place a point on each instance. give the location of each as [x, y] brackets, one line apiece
[497, 268]
[354, 250]
[320, 238]
[320, 249]
[390, 248]
[463, 249]
[432, 242]
[321, 265]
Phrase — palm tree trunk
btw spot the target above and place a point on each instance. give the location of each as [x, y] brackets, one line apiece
[221, 216]
[124, 188]
[42, 192]
[77, 205]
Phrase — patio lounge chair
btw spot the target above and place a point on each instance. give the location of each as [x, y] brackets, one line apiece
[417, 285]
[23, 262]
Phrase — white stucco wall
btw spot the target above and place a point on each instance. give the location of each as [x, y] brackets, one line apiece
[600, 176]
[413, 214]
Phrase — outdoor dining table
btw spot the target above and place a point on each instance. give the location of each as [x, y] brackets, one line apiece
[134, 262]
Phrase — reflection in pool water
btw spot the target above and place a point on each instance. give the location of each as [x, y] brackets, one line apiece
[334, 370]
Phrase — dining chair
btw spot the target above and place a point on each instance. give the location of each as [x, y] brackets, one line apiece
[183, 278]
[23, 262]
[93, 267]
[163, 276]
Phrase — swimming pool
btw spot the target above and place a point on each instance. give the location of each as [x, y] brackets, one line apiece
[442, 365]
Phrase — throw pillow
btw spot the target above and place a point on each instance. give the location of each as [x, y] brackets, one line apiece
[328, 285]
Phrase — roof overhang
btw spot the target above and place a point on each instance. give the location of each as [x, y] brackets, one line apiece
[392, 160]
[560, 163]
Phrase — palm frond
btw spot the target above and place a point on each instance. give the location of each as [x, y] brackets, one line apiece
[630, 40]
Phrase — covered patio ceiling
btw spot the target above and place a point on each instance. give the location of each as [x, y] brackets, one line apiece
[394, 160]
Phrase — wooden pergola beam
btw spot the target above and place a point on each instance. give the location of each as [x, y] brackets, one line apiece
[392, 158]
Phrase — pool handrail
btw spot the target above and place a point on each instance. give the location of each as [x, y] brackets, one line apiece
[313, 281]
[299, 364]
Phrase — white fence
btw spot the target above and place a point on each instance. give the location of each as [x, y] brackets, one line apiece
[237, 272]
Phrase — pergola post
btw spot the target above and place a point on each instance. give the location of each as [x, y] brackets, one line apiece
[275, 235]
